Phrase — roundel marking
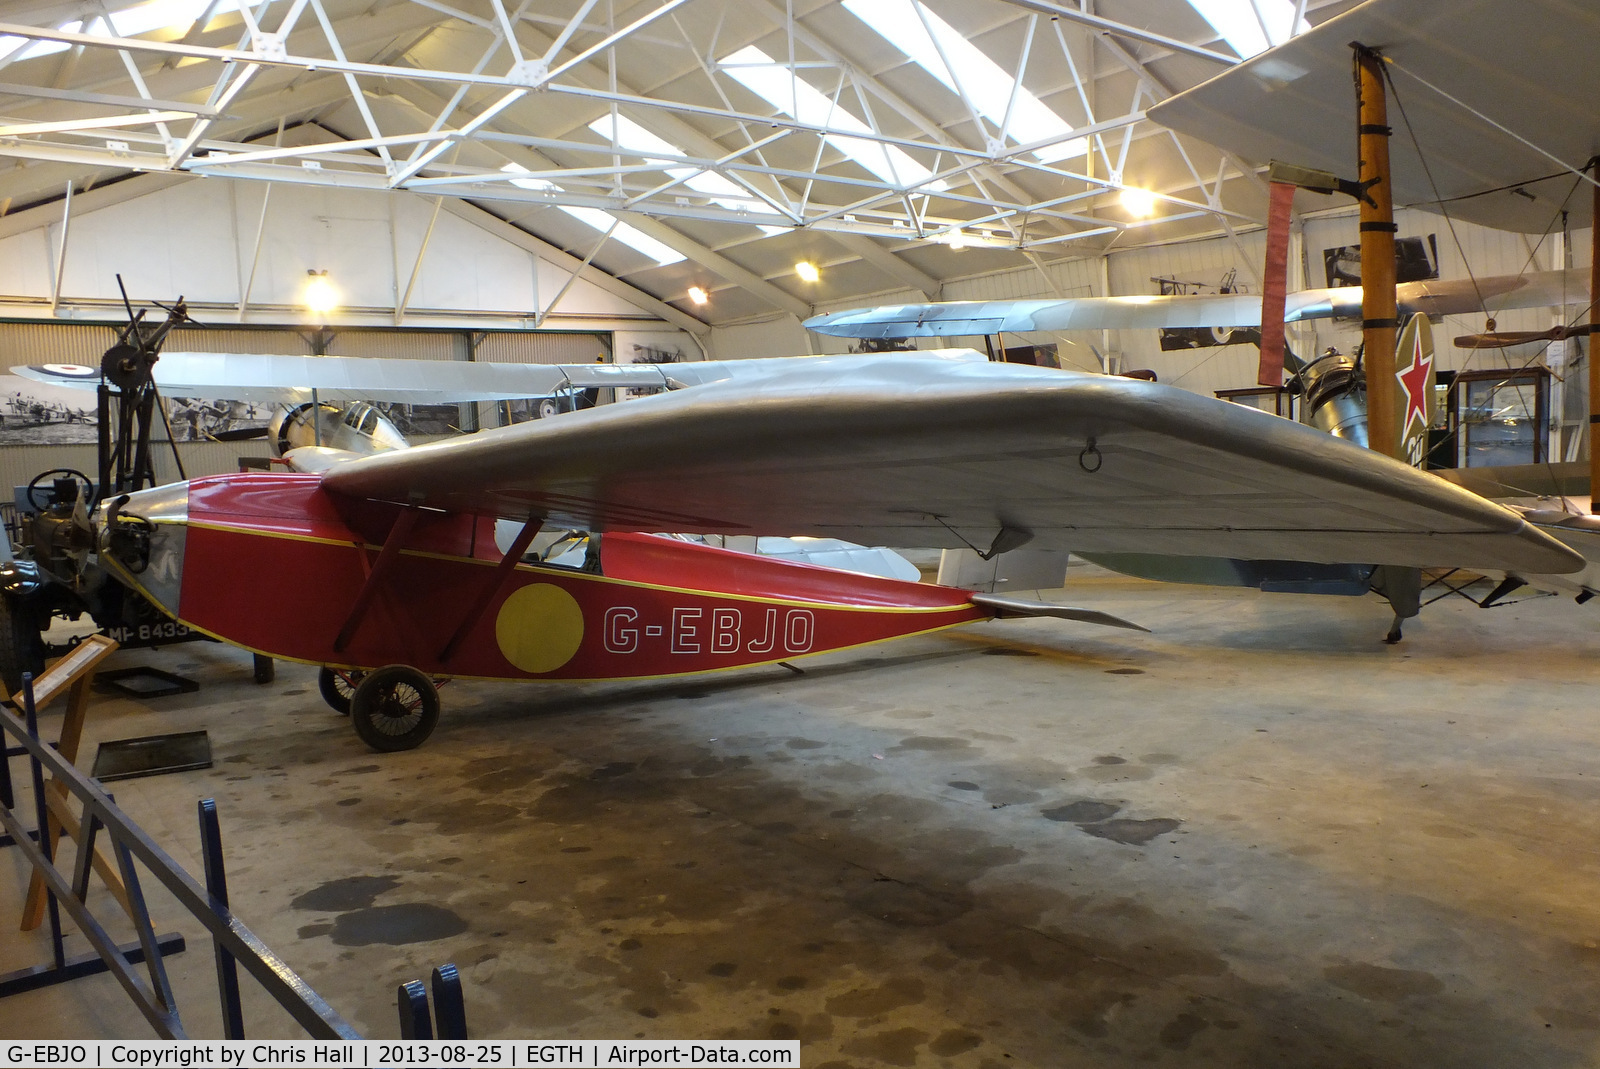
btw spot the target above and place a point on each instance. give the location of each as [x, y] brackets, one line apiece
[539, 628]
[69, 371]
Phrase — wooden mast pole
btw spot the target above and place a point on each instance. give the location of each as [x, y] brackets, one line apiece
[1379, 313]
[1594, 366]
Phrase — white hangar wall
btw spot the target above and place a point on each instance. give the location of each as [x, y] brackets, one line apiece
[479, 280]
[198, 238]
[1208, 262]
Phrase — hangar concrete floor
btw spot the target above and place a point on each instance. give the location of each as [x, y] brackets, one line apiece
[1257, 836]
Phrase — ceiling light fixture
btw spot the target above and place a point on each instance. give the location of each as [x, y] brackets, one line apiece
[698, 295]
[321, 297]
[807, 271]
[1139, 202]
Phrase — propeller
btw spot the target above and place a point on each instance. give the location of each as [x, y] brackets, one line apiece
[179, 313]
[1502, 338]
[243, 434]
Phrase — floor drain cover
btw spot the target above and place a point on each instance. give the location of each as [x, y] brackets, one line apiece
[144, 682]
[153, 755]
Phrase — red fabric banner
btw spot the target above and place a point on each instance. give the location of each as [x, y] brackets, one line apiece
[1274, 285]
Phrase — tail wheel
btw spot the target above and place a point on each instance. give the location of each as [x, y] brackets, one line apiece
[337, 687]
[394, 708]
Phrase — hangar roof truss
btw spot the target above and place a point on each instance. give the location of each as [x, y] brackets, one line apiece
[733, 133]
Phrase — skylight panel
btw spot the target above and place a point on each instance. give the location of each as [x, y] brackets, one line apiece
[1239, 24]
[906, 25]
[598, 219]
[27, 48]
[774, 83]
[721, 190]
[164, 14]
[128, 21]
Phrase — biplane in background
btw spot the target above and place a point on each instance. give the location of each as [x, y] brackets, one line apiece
[1333, 391]
[1480, 138]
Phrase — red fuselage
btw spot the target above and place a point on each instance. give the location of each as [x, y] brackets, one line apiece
[275, 564]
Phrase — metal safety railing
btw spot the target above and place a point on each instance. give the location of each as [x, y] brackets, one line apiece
[233, 943]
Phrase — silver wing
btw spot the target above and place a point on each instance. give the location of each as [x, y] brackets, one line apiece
[268, 377]
[962, 318]
[931, 450]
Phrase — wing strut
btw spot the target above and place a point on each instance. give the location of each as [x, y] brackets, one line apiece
[380, 568]
[1594, 366]
[1379, 313]
[502, 572]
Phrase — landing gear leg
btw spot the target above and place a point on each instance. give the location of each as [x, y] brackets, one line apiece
[337, 685]
[1402, 587]
[265, 670]
[394, 708]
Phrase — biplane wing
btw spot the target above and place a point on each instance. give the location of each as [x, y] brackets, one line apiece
[1525, 66]
[949, 450]
[964, 318]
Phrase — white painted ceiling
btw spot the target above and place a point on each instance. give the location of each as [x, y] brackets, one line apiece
[461, 97]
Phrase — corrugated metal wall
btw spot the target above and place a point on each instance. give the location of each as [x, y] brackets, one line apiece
[540, 347]
[400, 345]
[53, 343]
[237, 340]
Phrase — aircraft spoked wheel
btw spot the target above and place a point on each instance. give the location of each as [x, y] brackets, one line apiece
[394, 708]
[337, 685]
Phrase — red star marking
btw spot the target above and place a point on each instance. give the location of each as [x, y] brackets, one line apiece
[1414, 380]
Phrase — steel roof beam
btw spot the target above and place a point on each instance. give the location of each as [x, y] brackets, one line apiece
[1122, 29]
[79, 96]
[869, 251]
[493, 224]
[711, 260]
[743, 277]
[694, 250]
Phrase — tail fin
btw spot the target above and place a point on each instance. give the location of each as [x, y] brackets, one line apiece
[1413, 362]
[1005, 608]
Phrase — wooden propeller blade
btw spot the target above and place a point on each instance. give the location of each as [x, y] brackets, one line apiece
[240, 435]
[1503, 338]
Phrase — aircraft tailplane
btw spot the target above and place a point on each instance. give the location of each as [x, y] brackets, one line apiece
[1006, 608]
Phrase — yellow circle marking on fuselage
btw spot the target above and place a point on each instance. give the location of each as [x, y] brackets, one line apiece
[539, 628]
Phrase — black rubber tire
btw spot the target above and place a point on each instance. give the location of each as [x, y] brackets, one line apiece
[394, 708]
[263, 668]
[337, 688]
[21, 645]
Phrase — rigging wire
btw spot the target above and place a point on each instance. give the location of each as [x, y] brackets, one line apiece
[1536, 358]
